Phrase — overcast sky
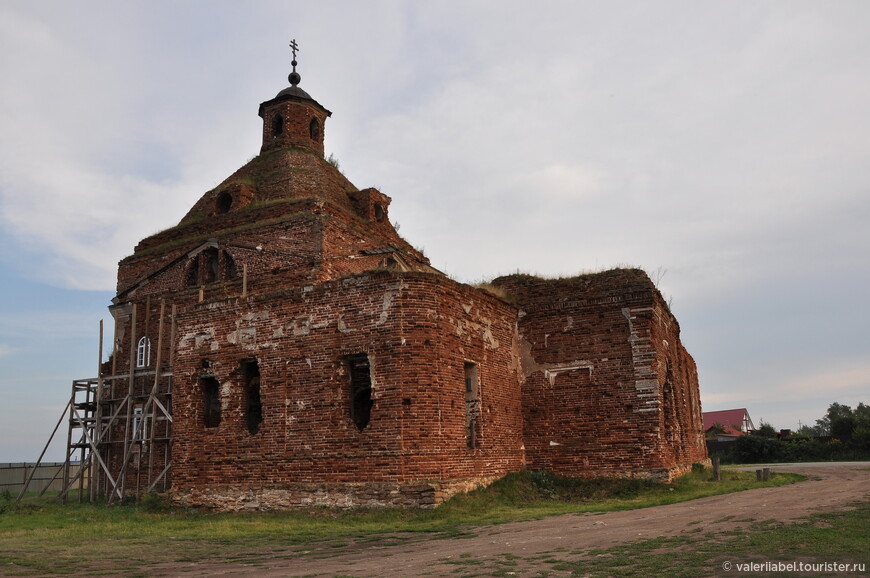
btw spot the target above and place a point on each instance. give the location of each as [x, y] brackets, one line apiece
[721, 146]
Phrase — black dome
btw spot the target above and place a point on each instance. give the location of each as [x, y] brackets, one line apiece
[294, 91]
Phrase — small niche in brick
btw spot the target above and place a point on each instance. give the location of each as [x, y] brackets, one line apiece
[211, 398]
[472, 404]
[253, 404]
[314, 129]
[223, 203]
[359, 372]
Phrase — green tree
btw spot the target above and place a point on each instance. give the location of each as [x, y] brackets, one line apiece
[765, 431]
[823, 426]
[715, 431]
[861, 433]
[842, 421]
[809, 430]
[862, 415]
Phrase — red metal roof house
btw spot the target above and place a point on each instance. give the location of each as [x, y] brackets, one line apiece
[736, 422]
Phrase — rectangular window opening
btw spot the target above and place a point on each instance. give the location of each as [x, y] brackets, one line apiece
[359, 372]
[253, 403]
[211, 396]
[140, 429]
[472, 404]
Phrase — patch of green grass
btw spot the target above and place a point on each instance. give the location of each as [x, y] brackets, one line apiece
[529, 495]
[831, 537]
[42, 537]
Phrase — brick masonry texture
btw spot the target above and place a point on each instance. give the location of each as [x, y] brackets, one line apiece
[609, 388]
[416, 333]
[316, 358]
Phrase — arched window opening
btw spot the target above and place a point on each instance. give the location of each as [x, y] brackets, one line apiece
[359, 371]
[379, 212]
[143, 352]
[210, 266]
[253, 403]
[314, 129]
[277, 125]
[211, 397]
[223, 203]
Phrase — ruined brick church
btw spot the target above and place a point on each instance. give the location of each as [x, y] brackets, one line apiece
[283, 346]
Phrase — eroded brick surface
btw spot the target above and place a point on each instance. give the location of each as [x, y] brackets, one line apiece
[609, 388]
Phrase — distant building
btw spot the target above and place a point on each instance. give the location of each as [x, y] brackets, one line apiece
[284, 346]
[734, 423]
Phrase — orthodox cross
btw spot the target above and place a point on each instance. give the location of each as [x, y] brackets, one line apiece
[294, 77]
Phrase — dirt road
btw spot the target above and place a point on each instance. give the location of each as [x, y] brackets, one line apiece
[830, 487]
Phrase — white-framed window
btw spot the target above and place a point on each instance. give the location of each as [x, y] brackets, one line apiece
[140, 430]
[143, 352]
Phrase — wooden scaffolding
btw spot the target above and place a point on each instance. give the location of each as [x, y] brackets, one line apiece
[120, 425]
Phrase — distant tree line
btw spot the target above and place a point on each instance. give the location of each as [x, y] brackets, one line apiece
[842, 434]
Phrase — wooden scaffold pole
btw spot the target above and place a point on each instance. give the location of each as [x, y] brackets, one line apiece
[128, 400]
[98, 415]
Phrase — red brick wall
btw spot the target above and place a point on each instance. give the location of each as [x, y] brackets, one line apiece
[418, 329]
[595, 364]
[682, 423]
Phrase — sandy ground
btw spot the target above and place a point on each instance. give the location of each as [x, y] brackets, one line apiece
[830, 487]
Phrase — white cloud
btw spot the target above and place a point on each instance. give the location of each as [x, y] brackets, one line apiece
[852, 379]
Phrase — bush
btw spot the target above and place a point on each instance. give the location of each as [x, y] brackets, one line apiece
[796, 448]
[758, 449]
[805, 449]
